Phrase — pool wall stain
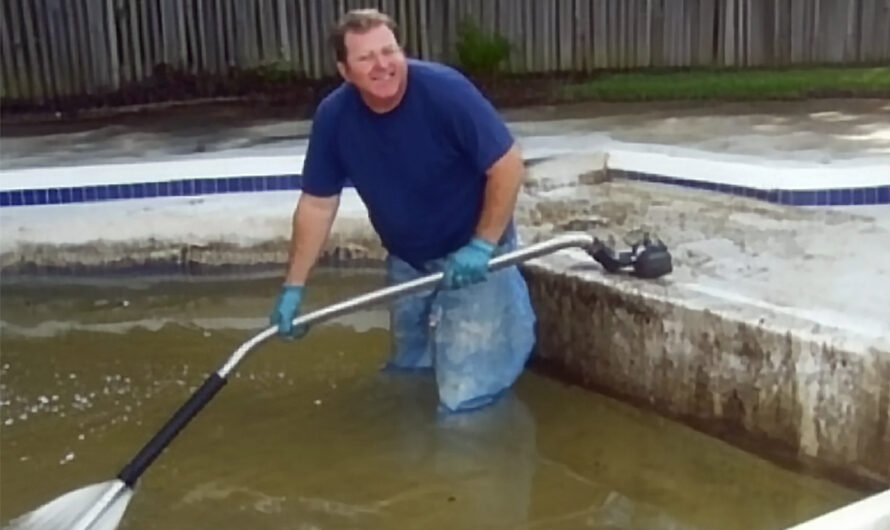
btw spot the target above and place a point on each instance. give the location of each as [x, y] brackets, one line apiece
[776, 392]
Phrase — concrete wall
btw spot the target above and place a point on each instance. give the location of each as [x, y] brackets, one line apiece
[776, 391]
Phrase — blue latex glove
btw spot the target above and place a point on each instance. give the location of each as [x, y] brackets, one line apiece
[468, 265]
[287, 307]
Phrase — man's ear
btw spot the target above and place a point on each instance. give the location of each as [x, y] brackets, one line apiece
[344, 70]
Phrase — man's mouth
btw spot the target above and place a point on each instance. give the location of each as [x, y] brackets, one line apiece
[386, 76]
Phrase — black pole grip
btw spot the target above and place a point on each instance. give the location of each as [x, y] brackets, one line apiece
[131, 472]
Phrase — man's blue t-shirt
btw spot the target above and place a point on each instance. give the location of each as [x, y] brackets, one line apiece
[419, 168]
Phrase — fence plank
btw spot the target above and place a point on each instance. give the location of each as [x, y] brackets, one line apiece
[98, 50]
[233, 47]
[87, 54]
[293, 25]
[329, 18]
[62, 45]
[675, 41]
[835, 20]
[18, 48]
[41, 33]
[656, 42]
[883, 52]
[760, 32]
[564, 34]
[424, 28]
[182, 55]
[528, 25]
[314, 25]
[214, 37]
[58, 44]
[539, 61]
[37, 83]
[135, 55]
[143, 32]
[437, 19]
[869, 11]
[168, 34]
[581, 21]
[687, 26]
[283, 31]
[11, 87]
[705, 48]
[303, 32]
[154, 14]
[548, 35]
[222, 34]
[120, 23]
[271, 46]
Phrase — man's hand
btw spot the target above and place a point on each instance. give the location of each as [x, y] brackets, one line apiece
[468, 265]
[287, 307]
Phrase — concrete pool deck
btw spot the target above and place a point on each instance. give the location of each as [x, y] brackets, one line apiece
[814, 132]
[772, 331]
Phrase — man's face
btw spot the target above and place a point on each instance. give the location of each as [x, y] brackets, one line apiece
[375, 64]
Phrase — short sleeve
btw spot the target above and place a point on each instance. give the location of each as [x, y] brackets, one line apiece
[481, 131]
[322, 170]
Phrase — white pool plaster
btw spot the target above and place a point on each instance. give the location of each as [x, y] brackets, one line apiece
[678, 162]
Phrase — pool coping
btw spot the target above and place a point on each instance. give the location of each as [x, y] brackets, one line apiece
[866, 183]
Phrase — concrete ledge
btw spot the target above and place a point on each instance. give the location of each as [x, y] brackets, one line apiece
[772, 332]
[776, 391]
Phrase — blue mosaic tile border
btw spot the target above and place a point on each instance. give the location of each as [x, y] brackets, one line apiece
[825, 197]
[173, 188]
[214, 186]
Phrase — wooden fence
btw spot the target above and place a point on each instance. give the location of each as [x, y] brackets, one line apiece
[53, 48]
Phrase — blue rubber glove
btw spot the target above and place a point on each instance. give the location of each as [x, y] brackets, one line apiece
[287, 307]
[468, 265]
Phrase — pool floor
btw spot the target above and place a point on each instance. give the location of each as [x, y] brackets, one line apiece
[311, 434]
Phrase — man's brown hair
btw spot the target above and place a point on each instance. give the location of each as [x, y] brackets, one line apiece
[359, 21]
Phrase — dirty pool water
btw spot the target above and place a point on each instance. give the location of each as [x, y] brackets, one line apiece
[311, 435]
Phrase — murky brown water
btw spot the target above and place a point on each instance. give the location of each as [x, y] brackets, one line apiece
[310, 435]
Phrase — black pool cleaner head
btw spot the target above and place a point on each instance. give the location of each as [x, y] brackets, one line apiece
[645, 259]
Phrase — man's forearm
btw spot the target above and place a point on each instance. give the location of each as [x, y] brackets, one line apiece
[504, 180]
[312, 222]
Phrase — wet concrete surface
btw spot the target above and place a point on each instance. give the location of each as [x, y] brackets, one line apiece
[818, 131]
[311, 435]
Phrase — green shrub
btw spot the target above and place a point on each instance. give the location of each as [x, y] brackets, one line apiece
[479, 53]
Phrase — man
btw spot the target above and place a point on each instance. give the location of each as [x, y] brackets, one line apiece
[439, 174]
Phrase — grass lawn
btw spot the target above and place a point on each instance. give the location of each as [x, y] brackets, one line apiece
[735, 84]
